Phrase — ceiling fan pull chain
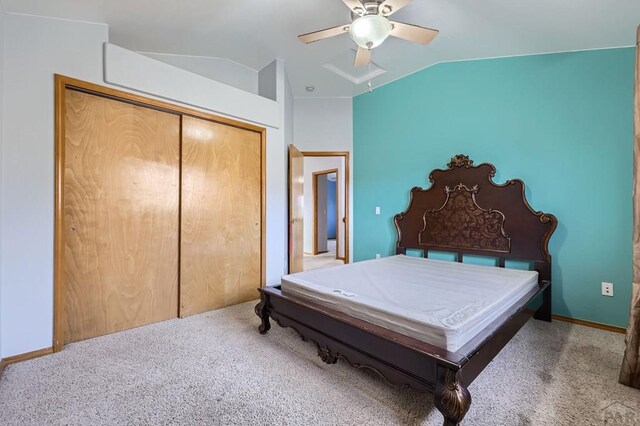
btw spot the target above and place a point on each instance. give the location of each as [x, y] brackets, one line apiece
[369, 72]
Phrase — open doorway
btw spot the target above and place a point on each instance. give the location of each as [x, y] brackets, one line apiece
[326, 214]
[318, 209]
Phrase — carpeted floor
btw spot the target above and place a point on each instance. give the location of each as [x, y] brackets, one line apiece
[324, 260]
[216, 369]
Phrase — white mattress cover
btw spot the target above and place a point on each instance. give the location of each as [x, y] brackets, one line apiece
[442, 303]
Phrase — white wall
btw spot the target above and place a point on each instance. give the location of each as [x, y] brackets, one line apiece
[277, 184]
[219, 69]
[318, 164]
[325, 124]
[288, 138]
[288, 115]
[137, 72]
[35, 49]
[2, 18]
[267, 77]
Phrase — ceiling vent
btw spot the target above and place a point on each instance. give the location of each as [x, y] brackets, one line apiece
[343, 66]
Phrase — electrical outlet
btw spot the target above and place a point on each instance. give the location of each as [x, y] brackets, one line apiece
[377, 255]
[377, 210]
[607, 289]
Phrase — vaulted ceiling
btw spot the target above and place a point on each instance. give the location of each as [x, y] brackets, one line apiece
[254, 32]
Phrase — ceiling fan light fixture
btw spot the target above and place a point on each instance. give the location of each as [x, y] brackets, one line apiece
[370, 31]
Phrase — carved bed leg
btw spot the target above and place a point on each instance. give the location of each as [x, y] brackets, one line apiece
[261, 311]
[544, 312]
[451, 397]
[326, 355]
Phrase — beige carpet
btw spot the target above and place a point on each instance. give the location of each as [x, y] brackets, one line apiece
[215, 369]
[324, 260]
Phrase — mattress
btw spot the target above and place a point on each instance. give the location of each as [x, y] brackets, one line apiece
[445, 304]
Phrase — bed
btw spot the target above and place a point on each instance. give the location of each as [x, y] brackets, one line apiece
[426, 324]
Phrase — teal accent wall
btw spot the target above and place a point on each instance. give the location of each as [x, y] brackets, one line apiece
[561, 122]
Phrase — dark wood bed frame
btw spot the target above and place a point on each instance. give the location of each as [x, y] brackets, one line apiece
[463, 212]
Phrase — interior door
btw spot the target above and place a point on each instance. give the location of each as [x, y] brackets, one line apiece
[321, 217]
[221, 236]
[296, 210]
[121, 215]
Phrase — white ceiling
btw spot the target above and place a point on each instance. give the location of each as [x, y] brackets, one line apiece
[254, 32]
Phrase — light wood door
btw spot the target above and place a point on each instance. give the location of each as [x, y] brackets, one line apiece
[121, 215]
[221, 246]
[296, 210]
[320, 213]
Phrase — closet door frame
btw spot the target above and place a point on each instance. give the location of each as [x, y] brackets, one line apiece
[62, 84]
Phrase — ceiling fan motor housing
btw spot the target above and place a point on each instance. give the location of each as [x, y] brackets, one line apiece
[369, 8]
[370, 29]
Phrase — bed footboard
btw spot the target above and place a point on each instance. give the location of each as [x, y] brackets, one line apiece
[401, 360]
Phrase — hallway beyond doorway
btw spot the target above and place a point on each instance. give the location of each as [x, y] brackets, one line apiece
[324, 260]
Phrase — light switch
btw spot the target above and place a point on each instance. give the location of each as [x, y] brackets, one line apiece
[377, 210]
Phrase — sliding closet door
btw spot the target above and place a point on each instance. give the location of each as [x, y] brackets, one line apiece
[121, 215]
[220, 249]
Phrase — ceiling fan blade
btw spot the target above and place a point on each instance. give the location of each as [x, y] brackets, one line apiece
[389, 7]
[413, 33]
[322, 34]
[355, 6]
[363, 57]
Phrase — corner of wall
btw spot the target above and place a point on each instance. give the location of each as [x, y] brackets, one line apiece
[268, 81]
[272, 84]
[288, 140]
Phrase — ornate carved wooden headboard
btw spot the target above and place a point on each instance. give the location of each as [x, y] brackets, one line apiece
[465, 212]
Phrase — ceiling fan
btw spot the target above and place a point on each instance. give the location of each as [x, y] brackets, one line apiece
[371, 26]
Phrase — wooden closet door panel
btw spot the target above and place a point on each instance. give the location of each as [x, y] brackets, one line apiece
[220, 249]
[296, 210]
[121, 207]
